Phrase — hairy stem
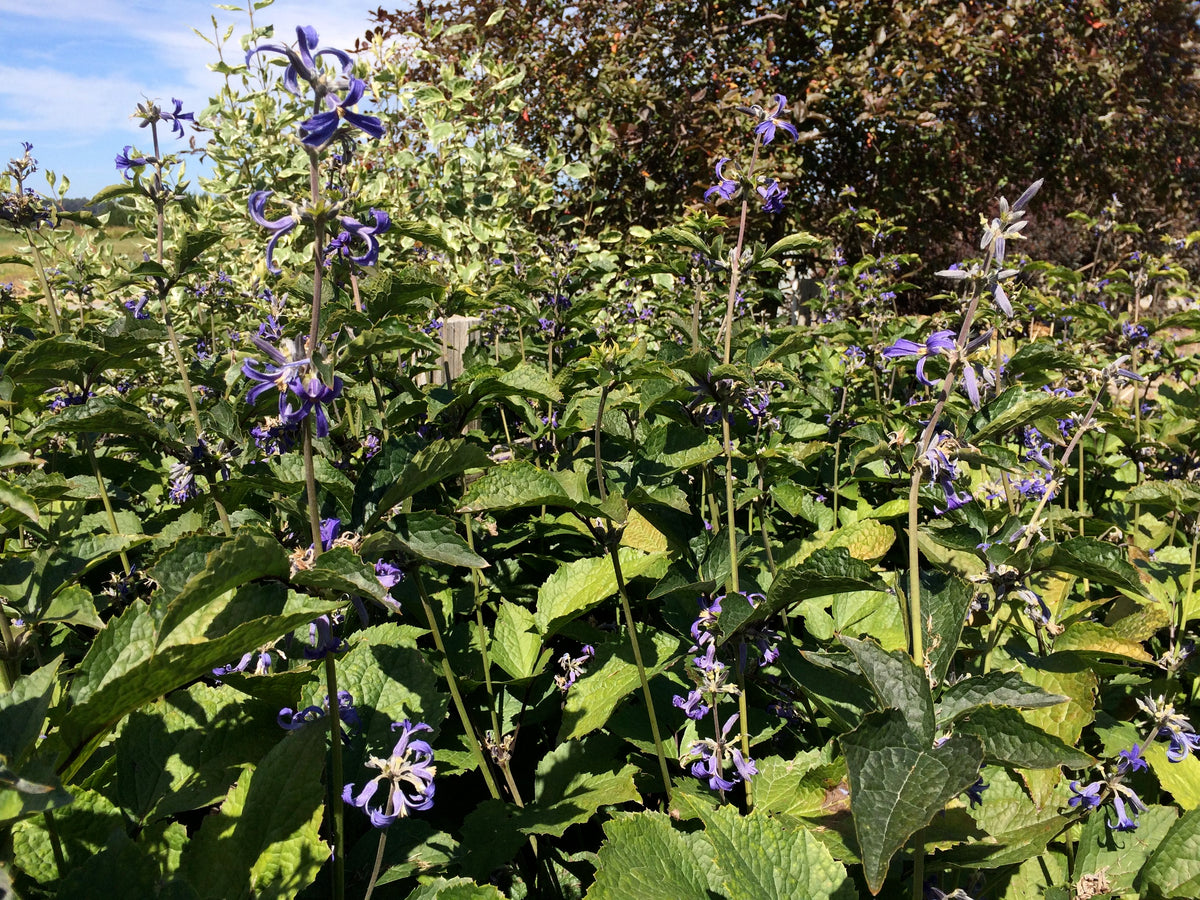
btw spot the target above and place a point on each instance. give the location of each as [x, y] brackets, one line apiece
[378, 864]
[336, 778]
[637, 658]
[455, 693]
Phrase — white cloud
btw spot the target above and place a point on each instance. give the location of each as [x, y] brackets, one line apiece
[43, 100]
[74, 70]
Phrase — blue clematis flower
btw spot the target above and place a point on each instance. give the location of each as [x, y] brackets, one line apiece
[279, 372]
[770, 121]
[772, 195]
[1131, 760]
[693, 704]
[407, 774]
[319, 130]
[302, 60]
[1182, 744]
[314, 395]
[1086, 797]
[706, 622]
[280, 226]
[302, 63]
[975, 792]
[292, 373]
[368, 234]
[725, 188]
[1124, 821]
[937, 343]
[128, 165]
[177, 117]
[712, 755]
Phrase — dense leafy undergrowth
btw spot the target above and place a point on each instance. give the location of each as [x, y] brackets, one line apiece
[708, 574]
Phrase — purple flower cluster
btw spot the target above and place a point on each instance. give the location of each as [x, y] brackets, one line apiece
[319, 130]
[292, 372]
[1113, 788]
[293, 719]
[407, 776]
[572, 667]
[1173, 727]
[943, 470]
[710, 757]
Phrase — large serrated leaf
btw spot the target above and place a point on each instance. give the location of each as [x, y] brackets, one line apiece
[802, 787]
[576, 779]
[680, 237]
[582, 584]
[183, 752]
[390, 681]
[1072, 677]
[124, 669]
[23, 711]
[991, 689]
[515, 485]
[945, 599]
[1010, 740]
[426, 536]
[340, 570]
[897, 683]
[1094, 638]
[612, 676]
[1089, 558]
[899, 782]
[825, 572]
[516, 645]
[643, 856]
[1174, 868]
[1120, 855]
[103, 415]
[265, 840]
[799, 241]
[431, 465]
[18, 500]
[759, 859]
[241, 559]
[1018, 407]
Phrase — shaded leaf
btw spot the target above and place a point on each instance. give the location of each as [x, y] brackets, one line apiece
[899, 782]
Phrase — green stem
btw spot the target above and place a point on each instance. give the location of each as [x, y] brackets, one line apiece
[108, 507]
[336, 778]
[744, 729]
[637, 658]
[481, 632]
[378, 864]
[915, 627]
[10, 669]
[1186, 599]
[40, 264]
[735, 263]
[60, 859]
[165, 308]
[916, 632]
[310, 488]
[600, 486]
[727, 446]
[456, 695]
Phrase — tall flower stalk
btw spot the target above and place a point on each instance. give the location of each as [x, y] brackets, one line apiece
[1006, 226]
[303, 374]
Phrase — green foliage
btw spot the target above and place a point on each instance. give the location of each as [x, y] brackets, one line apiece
[699, 583]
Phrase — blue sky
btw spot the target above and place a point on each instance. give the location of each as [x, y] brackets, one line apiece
[73, 71]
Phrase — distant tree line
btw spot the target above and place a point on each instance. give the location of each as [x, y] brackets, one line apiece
[928, 109]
